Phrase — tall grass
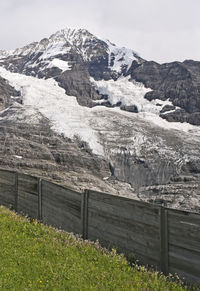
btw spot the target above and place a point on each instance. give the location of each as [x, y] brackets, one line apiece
[36, 257]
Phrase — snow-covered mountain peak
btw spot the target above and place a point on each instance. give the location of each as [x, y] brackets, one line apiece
[90, 49]
[82, 40]
[28, 49]
[120, 57]
[89, 45]
[105, 100]
[70, 33]
[5, 54]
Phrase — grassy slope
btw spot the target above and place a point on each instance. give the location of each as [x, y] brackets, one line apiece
[36, 257]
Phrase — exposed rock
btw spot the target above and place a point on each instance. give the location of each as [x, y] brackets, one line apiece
[145, 154]
[167, 108]
[76, 83]
[178, 115]
[131, 108]
[88, 56]
[30, 146]
[183, 178]
[178, 82]
[177, 195]
[161, 163]
[194, 118]
[85, 54]
[7, 94]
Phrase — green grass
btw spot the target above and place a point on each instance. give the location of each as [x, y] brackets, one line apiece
[36, 257]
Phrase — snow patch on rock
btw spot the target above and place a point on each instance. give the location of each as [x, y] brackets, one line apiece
[67, 117]
[128, 93]
[120, 57]
[63, 65]
[64, 112]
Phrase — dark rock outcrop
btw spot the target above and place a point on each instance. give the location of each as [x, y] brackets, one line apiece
[130, 108]
[86, 55]
[178, 82]
[76, 83]
[161, 163]
[35, 149]
[6, 91]
[180, 115]
[89, 56]
[167, 108]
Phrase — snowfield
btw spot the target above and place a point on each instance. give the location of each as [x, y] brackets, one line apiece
[63, 65]
[120, 56]
[124, 91]
[66, 115]
[96, 125]
[129, 93]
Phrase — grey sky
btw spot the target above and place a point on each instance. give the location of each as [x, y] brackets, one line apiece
[160, 30]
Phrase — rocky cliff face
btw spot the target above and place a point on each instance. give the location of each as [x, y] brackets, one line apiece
[177, 82]
[71, 57]
[7, 94]
[117, 126]
[29, 145]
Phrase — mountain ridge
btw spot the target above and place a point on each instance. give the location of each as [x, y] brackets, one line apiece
[113, 107]
[72, 54]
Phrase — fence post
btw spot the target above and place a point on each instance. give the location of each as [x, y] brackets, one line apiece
[16, 192]
[84, 213]
[164, 261]
[40, 199]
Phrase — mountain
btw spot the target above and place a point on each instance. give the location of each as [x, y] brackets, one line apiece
[70, 55]
[177, 82]
[89, 114]
[5, 92]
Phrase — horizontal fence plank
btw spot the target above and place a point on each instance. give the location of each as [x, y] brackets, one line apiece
[184, 229]
[105, 221]
[186, 260]
[118, 222]
[184, 239]
[7, 178]
[61, 207]
[7, 195]
[124, 239]
[128, 208]
[184, 244]
[27, 184]
[28, 204]
[185, 219]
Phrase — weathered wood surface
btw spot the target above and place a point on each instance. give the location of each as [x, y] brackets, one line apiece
[40, 199]
[61, 207]
[84, 214]
[28, 204]
[7, 177]
[27, 195]
[7, 188]
[164, 241]
[184, 244]
[27, 184]
[153, 235]
[128, 225]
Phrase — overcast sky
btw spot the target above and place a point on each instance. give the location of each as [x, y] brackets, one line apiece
[160, 30]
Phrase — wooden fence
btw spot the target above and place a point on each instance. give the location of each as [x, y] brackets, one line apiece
[156, 236]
